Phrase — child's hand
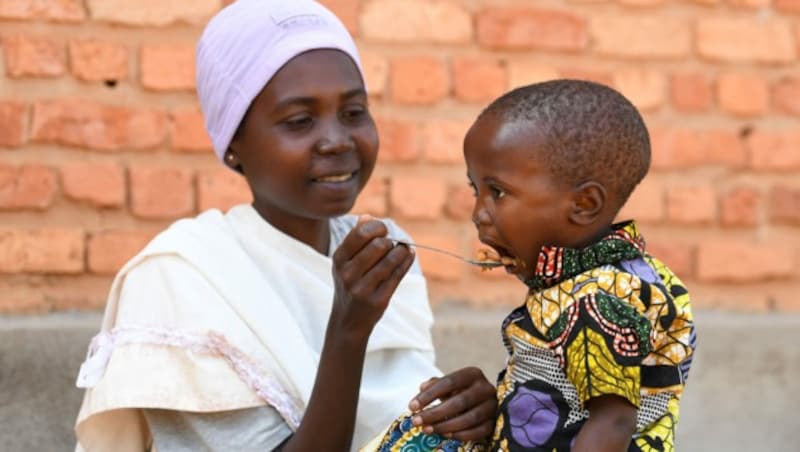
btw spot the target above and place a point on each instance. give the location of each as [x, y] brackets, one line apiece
[367, 267]
[468, 407]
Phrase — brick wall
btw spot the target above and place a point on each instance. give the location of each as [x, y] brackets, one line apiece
[102, 145]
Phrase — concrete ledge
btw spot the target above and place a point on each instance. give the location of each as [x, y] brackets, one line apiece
[742, 394]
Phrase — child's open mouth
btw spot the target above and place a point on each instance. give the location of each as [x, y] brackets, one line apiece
[496, 253]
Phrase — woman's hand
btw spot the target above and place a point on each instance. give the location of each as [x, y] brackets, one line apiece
[367, 269]
[468, 407]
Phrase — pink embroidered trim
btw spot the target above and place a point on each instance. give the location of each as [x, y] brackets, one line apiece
[213, 344]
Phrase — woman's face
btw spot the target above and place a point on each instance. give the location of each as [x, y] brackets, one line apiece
[308, 144]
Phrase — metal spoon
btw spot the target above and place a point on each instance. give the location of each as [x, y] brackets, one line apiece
[482, 264]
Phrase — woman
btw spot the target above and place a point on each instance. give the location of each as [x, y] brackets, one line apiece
[284, 324]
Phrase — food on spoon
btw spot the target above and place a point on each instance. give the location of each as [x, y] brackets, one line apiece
[490, 255]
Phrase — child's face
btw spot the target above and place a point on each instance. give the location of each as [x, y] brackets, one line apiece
[518, 206]
[308, 144]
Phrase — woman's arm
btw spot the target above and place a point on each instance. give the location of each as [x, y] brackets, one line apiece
[611, 424]
[367, 268]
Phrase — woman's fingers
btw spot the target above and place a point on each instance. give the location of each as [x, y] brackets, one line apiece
[444, 386]
[467, 408]
[471, 425]
[365, 231]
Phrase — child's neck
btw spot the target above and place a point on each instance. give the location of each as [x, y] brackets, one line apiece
[594, 235]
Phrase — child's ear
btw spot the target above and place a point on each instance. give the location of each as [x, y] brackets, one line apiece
[588, 201]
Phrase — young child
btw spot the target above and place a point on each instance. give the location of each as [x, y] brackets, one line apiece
[600, 350]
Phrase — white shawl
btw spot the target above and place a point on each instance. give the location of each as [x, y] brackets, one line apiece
[235, 344]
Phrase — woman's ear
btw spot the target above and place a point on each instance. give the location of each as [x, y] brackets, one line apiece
[588, 202]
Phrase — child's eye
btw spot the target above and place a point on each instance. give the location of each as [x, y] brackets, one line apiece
[497, 192]
[474, 189]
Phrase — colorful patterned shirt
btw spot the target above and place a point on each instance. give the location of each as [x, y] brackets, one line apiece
[608, 319]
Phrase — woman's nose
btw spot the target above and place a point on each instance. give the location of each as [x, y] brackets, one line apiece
[335, 139]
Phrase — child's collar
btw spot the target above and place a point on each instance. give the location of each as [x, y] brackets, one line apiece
[555, 264]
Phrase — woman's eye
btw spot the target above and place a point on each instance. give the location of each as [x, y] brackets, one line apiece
[298, 122]
[353, 114]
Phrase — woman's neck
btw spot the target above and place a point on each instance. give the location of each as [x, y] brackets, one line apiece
[315, 233]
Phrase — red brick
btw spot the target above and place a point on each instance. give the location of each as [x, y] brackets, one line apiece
[26, 187]
[740, 207]
[145, 13]
[641, 3]
[745, 40]
[679, 257]
[646, 203]
[646, 89]
[784, 205]
[188, 131]
[691, 92]
[374, 198]
[158, 193]
[438, 266]
[479, 80]
[419, 80]
[376, 72]
[417, 197]
[54, 10]
[789, 6]
[749, 3]
[221, 189]
[400, 140]
[743, 94]
[33, 56]
[691, 205]
[739, 262]
[110, 250]
[460, 202]
[521, 73]
[775, 150]
[41, 251]
[93, 60]
[13, 120]
[641, 35]
[443, 140]
[423, 21]
[81, 123]
[518, 28]
[168, 67]
[786, 96]
[347, 11]
[100, 184]
[686, 148]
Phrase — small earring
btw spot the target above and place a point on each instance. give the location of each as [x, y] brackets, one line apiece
[229, 157]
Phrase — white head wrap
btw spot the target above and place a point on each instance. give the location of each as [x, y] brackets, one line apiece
[245, 44]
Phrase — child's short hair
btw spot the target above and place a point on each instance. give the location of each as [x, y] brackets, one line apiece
[591, 132]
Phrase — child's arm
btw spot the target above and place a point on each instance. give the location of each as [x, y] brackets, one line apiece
[611, 424]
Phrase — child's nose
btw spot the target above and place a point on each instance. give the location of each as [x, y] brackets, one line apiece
[480, 217]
